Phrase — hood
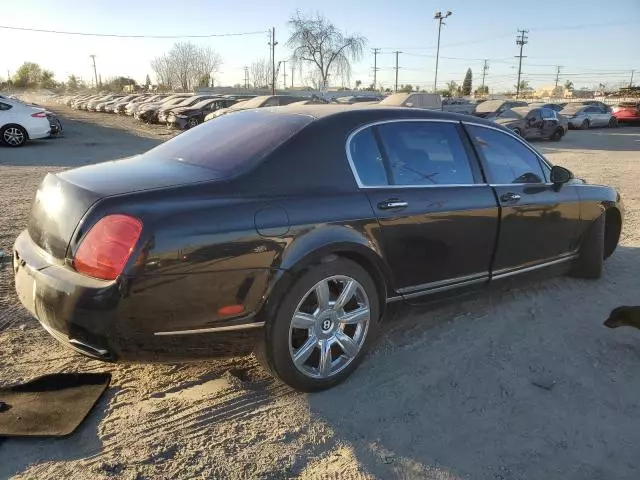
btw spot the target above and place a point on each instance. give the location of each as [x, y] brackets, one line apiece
[506, 121]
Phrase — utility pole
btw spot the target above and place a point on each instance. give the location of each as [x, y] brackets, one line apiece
[284, 72]
[630, 81]
[440, 17]
[396, 87]
[555, 90]
[246, 77]
[292, 69]
[485, 67]
[95, 72]
[522, 41]
[273, 44]
[375, 67]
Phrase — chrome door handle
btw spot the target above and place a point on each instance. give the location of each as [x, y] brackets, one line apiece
[390, 204]
[509, 197]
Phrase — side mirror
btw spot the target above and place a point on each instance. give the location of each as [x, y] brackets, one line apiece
[560, 175]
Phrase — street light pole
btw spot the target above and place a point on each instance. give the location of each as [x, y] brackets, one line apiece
[440, 17]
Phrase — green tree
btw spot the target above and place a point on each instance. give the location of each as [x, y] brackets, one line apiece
[358, 83]
[28, 75]
[568, 85]
[452, 87]
[147, 82]
[467, 83]
[72, 83]
[482, 90]
[524, 85]
[405, 88]
[46, 80]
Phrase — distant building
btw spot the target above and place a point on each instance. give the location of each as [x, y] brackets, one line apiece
[549, 91]
[580, 94]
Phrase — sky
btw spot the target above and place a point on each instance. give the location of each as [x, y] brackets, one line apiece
[593, 42]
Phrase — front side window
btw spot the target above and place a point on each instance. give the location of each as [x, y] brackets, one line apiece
[507, 159]
[425, 153]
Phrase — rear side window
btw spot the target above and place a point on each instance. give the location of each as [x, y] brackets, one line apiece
[367, 159]
[5, 106]
[547, 113]
[233, 142]
[507, 159]
[425, 153]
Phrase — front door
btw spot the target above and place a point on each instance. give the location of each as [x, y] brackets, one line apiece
[538, 221]
[438, 219]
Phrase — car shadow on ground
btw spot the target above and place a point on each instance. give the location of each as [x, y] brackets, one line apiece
[520, 382]
[83, 143]
[83, 443]
[623, 138]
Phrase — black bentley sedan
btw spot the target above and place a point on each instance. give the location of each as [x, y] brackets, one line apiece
[290, 230]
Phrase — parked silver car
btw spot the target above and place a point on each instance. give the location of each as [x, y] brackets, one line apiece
[587, 116]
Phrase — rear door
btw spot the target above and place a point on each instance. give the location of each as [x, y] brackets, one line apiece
[538, 221]
[438, 218]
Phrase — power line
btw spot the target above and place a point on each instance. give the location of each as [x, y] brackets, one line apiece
[117, 35]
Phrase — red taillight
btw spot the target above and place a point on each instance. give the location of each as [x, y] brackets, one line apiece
[39, 115]
[104, 251]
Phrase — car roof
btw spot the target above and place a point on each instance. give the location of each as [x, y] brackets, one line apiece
[374, 112]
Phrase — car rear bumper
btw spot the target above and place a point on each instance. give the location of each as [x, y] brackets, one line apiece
[40, 131]
[123, 320]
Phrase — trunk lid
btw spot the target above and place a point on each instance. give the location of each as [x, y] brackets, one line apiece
[63, 198]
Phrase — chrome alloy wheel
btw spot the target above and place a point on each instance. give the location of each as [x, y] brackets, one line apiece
[13, 136]
[329, 327]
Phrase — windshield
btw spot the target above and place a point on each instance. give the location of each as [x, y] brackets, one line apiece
[232, 142]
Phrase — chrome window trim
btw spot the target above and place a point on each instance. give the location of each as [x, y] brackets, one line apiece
[354, 171]
[227, 328]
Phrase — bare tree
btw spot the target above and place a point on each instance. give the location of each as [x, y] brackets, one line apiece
[318, 42]
[186, 66]
[260, 73]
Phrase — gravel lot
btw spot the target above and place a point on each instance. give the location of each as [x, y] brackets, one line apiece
[523, 383]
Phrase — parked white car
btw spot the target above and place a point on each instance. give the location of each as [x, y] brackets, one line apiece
[20, 122]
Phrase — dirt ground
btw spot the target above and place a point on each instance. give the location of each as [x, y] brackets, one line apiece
[523, 383]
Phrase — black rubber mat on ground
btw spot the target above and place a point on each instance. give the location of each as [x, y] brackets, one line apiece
[51, 405]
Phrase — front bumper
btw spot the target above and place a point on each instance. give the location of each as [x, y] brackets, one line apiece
[125, 320]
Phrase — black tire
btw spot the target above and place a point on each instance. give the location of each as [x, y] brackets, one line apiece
[192, 122]
[591, 256]
[585, 124]
[557, 135]
[613, 122]
[273, 352]
[13, 136]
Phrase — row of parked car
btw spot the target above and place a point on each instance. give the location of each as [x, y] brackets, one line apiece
[178, 110]
[530, 120]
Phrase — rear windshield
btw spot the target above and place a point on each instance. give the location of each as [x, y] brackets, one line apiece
[231, 143]
[489, 106]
